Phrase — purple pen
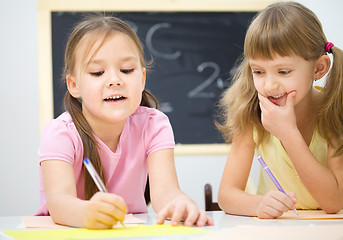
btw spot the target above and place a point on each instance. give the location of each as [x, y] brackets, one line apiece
[271, 175]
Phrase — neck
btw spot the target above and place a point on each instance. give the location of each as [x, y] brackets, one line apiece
[306, 115]
[109, 134]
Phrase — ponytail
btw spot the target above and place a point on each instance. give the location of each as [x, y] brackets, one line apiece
[90, 145]
[331, 109]
[148, 100]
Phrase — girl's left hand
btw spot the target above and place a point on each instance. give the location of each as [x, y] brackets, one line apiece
[182, 208]
[278, 120]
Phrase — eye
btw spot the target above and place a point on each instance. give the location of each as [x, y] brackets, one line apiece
[126, 71]
[257, 72]
[284, 72]
[97, 74]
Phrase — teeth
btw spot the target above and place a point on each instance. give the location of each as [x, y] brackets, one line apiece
[278, 96]
[114, 97]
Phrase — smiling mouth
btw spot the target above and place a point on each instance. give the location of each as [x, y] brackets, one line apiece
[114, 99]
[277, 96]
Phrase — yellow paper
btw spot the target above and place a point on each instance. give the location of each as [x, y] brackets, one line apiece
[120, 232]
[47, 222]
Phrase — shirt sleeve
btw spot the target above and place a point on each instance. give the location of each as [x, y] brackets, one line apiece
[59, 142]
[159, 133]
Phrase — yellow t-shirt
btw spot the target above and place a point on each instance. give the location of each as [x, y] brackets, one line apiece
[282, 167]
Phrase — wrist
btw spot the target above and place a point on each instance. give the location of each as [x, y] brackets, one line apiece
[292, 136]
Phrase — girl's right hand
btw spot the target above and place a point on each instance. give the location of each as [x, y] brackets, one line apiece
[104, 210]
[275, 203]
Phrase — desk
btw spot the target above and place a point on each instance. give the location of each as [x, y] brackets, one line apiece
[221, 220]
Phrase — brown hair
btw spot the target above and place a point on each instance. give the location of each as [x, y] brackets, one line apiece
[95, 28]
[284, 28]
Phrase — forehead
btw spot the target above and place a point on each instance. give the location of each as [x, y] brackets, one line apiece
[277, 60]
[116, 42]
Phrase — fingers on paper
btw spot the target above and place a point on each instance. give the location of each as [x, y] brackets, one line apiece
[192, 215]
[115, 206]
[105, 221]
[274, 204]
[203, 219]
[177, 215]
[96, 219]
[110, 207]
[163, 215]
[293, 197]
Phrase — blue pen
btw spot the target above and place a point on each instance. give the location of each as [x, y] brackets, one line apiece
[96, 178]
[271, 175]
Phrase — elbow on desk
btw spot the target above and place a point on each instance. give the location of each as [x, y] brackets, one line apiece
[332, 209]
[224, 203]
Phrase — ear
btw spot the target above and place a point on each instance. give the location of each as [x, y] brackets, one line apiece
[143, 78]
[322, 66]
[72, 86]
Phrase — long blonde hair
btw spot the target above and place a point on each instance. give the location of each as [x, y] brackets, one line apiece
[95, 28]
[283, 28]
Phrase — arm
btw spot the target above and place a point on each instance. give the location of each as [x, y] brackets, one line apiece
[103, 210]
[232, 197]
[166, 197]
[325, 183]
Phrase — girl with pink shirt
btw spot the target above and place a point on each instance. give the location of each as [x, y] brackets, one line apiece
[109, 119]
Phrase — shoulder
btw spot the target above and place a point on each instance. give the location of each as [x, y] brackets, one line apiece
[151, 122]
[146, 115]
[60, 139]
[146, 111]
[154, 128]
[62, 122]
[60, 129]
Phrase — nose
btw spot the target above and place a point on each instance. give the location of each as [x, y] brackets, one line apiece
[270, 83]
[114, 79]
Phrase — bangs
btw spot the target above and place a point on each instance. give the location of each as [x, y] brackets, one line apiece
[92, 42]
[281, 31]
[266, 45]
[268, 40]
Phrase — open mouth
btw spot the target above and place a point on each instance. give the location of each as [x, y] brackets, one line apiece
[114, 99]
[276, 97]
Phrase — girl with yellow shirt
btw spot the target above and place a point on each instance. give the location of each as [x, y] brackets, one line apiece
[272, 106]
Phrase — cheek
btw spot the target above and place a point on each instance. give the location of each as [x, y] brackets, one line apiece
[258, 85]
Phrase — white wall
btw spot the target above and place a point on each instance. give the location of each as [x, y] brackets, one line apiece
[20, 114]
[19, 124]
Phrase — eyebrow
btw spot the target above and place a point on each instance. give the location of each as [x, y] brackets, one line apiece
[278, 65]
[99, 61]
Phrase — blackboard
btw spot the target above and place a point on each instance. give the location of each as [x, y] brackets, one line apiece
[194, 55]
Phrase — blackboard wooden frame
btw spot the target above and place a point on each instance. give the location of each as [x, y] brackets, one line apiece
[46, 7]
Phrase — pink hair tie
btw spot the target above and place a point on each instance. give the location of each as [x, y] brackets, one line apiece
[328, 47]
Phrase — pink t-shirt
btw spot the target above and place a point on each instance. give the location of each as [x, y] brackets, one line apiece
[146, 131]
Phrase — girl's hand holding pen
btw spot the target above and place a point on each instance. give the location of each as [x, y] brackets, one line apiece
[104, 210]
[275, 203]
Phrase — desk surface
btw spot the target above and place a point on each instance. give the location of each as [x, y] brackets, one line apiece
[221, 220]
